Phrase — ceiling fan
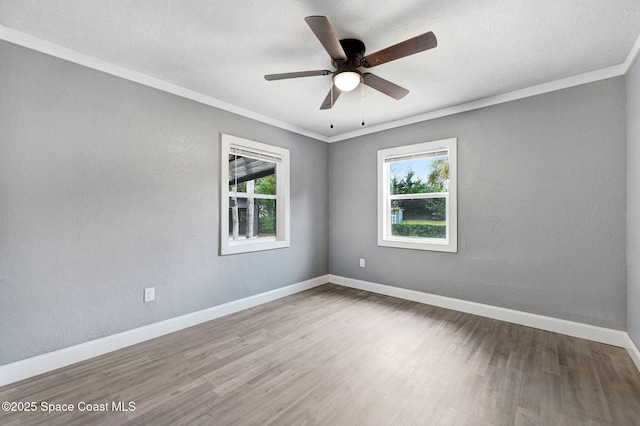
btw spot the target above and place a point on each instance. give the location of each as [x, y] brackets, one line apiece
[347, 55]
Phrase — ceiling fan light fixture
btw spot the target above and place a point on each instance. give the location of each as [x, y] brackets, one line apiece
[347, 56]
[347, 81]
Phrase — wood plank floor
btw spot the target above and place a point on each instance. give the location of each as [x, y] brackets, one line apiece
[339, 356]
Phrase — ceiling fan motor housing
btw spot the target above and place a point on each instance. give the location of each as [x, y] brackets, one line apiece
[354, 49]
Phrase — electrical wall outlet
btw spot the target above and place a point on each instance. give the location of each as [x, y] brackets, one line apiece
[362, 263]
[149, 294]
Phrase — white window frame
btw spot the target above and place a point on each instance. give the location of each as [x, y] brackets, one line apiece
[385, 239]
[282, 197]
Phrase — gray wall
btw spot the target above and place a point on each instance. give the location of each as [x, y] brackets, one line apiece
[541, 207]
[108, 187]
[633, 202]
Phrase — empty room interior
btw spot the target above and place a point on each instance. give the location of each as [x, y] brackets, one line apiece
[201, 222]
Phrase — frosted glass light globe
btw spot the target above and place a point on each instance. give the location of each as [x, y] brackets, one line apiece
[347, 81]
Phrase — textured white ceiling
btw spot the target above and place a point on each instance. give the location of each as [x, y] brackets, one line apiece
[223, 48]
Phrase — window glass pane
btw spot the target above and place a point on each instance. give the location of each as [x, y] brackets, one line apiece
[245, 169]
[420, 218]
[266, 217]
[417, 176]
[251, 218]
[266, 185]
[242, 187]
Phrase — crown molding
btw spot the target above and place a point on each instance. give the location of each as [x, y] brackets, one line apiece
[40, 45]
[577, 80]
[43, 46]
[632, 56]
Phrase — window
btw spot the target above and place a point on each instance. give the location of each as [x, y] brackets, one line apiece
[417, 196]
[254, 188]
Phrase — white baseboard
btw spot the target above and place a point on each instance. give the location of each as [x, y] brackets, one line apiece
[11, 373]
[634, 352]
[30, 367]
[576, 329]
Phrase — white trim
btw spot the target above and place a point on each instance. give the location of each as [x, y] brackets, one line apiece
[282, 197]
[43, 46]
[385, 239]
[34, 43]
[556, 325]
[24, 369]
[632, 56]
[565, 83]
[254, 196]
[30, 367]
[634, 352]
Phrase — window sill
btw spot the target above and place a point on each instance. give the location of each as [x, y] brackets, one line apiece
[426, 244]
[247, 246]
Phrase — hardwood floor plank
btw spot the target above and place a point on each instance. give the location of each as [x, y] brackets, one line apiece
[550, 362]
[338, 356]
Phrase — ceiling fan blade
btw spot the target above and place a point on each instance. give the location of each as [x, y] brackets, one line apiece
[282, 76]
[324, 31]
[384, 86]
[417, 44]
[327, 104]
